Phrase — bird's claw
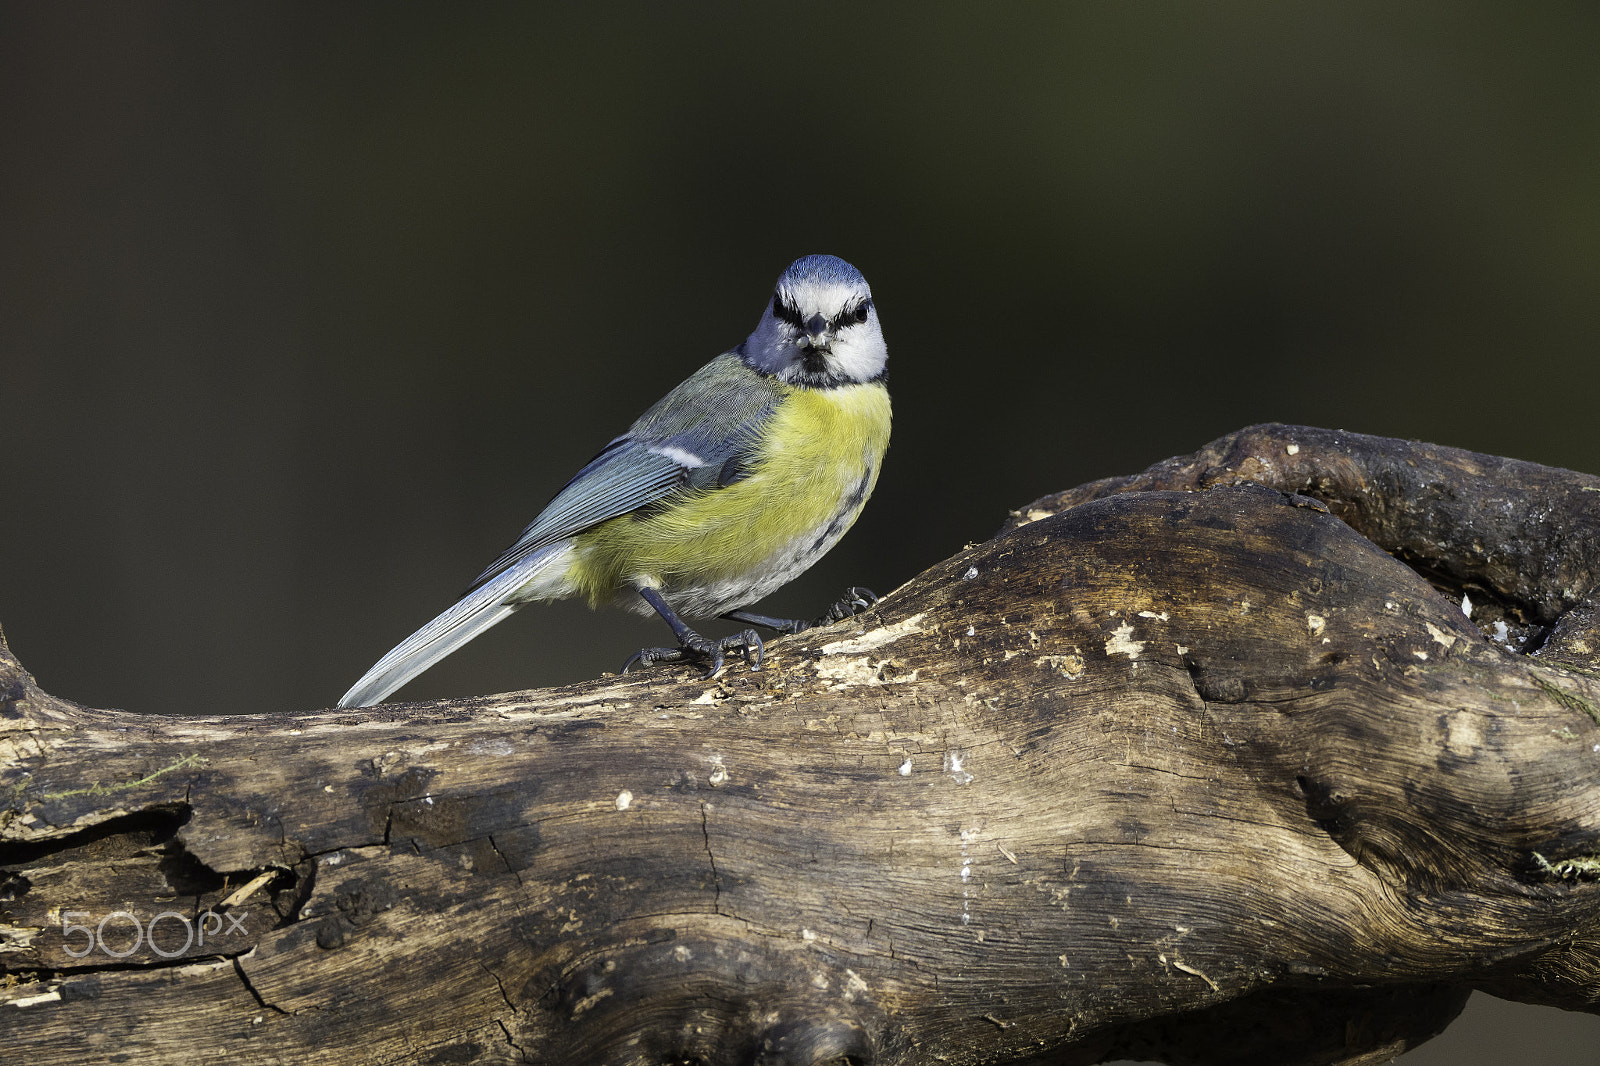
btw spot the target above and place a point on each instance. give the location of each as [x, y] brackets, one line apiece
[855, 600]
[698, 647]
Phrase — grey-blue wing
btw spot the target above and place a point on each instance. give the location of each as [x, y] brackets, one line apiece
[701, 435]
[623, 478]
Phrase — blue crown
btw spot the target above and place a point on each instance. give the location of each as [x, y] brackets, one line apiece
[823, 268]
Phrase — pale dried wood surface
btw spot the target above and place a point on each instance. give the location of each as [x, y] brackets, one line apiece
[1181, 766]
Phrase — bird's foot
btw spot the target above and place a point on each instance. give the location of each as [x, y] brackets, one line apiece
[854, 601]
[694, 646]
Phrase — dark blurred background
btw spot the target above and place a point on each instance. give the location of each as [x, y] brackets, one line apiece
[305, 310]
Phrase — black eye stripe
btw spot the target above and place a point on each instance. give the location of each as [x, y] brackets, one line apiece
[785, 312]
[856, 314]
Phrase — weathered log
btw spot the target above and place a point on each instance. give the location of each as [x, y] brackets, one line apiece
[1180, 766]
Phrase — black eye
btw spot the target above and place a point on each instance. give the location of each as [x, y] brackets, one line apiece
[860, 314]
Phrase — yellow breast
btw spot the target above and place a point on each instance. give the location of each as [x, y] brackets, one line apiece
[720, 548]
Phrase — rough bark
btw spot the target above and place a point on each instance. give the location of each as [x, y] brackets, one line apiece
[1187, 766]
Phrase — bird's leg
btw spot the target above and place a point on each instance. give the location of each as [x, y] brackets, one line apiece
[692, 645]
[854, 601]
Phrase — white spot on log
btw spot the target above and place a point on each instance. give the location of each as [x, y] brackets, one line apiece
[1162, 617]
[719, 773]
[682, 954]
[706, 698]
[1292, 449]
[1316, 623]
[1464, 734]
[1439, 635]
[588, 1001]
[806, 934]
[952, 766]
[624, 800]
[245, 892]
[1420, 654]
[1121, 642]
[853, 985]
[32, 1001]
[972, 572]
[846, 672]
[20, 937]
[967, 836]
[1179, 964]
[1466, 605]
[876, 638]
[905, 767]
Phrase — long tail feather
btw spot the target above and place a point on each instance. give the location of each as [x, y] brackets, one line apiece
[471, 615]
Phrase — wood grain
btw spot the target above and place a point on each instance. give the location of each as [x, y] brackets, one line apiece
[1191, 766]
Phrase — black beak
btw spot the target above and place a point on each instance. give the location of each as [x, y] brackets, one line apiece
[816, 326]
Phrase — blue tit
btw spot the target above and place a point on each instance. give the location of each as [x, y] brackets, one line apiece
[728, 488]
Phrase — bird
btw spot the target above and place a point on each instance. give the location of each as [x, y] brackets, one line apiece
[732, 485]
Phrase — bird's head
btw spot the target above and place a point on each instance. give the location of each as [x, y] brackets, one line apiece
[820, 329]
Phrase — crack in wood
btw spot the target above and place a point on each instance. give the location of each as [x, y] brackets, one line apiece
[1430, 791]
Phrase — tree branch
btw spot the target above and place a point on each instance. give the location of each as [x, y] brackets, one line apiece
[1178, 766]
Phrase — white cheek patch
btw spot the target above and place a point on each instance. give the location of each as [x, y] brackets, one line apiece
[858, 352]
[678, 455]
